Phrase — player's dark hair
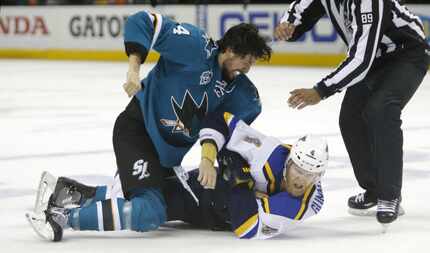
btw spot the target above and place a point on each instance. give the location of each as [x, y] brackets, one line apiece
[243, 39]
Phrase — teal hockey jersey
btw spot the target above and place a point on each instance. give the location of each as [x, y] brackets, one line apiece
[185, 84]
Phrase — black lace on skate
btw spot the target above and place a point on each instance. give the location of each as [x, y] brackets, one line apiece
[387, 205]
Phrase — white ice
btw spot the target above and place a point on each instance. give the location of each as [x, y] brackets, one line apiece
[58, 116]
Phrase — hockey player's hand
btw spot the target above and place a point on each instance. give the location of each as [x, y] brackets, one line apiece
[284, 31]
[300, 98]
[207, 174]
[132, 86]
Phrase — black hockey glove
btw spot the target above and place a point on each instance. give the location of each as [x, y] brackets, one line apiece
[235, 169]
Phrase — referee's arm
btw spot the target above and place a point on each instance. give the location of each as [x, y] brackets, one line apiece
[367, 16]
[303, 15]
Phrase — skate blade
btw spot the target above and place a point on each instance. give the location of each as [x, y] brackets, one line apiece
[46, 188]
[363, 212]
[385, 228]
[371, 212]
[40, 226]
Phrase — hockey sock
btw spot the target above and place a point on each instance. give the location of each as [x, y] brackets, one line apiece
[99, 196]
[102, 215]
[144, 212]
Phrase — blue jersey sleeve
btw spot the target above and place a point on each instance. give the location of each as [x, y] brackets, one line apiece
[295, 208]
[217, 127]
[246, 221]
[243, 211]
[180, 43]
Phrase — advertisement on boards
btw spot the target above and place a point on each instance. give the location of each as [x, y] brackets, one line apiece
[74, 27]
[321, 39]
[100, 28]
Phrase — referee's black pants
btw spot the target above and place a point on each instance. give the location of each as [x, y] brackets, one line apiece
[370, 121]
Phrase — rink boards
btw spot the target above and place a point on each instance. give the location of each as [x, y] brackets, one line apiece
[95, 32]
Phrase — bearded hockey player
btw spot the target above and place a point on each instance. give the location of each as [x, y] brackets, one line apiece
[264, 188]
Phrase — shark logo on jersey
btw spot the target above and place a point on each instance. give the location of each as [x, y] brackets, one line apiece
[188, 115]
[210, 46]
[206, 77]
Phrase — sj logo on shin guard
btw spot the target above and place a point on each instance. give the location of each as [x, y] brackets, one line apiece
[140, 169]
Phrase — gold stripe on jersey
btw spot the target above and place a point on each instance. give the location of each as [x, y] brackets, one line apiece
[270, 179]
[227, 117]
[265, 204]
[305, 202]
[288, 146]
[247, 225]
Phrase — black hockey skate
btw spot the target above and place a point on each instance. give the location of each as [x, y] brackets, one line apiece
[53, 202]
[70, 193]
[362, 205]
[50, 224]
[388, 210]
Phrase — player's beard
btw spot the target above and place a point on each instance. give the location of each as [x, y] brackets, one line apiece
[226, 75]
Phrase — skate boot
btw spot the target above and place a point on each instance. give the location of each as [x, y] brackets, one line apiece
[69, 193]
[362, 205]
[49, 225]
[55, 198]
[388, 210]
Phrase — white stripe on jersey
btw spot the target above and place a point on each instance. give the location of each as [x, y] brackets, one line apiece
[298, 10]
[159, 22]
[338, 17]
[368, 8]
[399, 22]
[361, 51]
[209, 133]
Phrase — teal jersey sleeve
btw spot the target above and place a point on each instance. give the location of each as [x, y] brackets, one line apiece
[241, 104]
[243, 101]
[145, 31]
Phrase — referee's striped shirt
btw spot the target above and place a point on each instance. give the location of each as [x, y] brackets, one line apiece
[370, 29]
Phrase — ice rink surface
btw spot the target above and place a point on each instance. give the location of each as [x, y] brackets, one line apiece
[58, 116]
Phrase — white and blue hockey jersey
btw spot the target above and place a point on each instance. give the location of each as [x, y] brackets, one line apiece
[265, 155]
[185, 84]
